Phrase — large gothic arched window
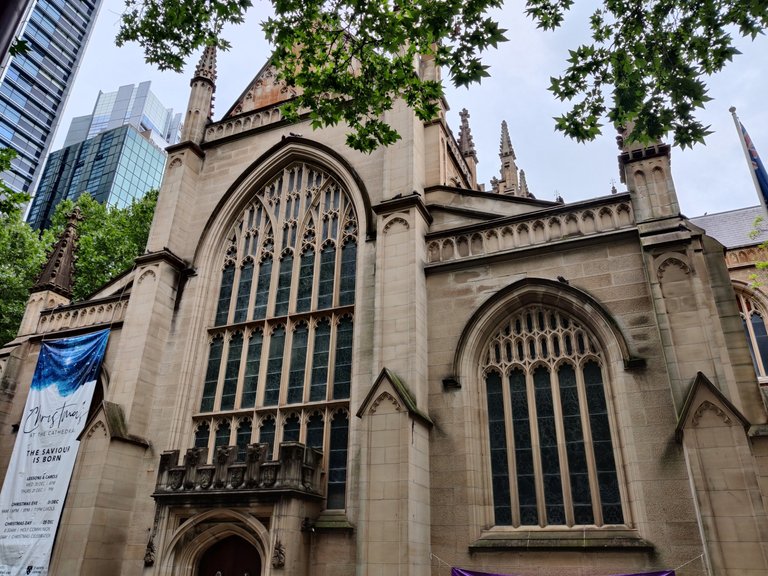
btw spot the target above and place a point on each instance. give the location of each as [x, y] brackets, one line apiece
[552, 459]
[280, 354]
[753, 319]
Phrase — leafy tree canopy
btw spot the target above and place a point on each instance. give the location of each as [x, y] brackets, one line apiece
[645, 63]
[11, 201]
[109, 239]
[22, 253]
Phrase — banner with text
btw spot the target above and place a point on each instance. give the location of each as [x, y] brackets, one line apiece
[46, 447]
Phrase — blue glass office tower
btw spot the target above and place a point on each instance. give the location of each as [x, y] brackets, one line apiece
[114, 167]
[36, 85]
[135, 105]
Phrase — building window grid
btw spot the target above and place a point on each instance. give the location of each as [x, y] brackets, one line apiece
[545, 395]
[284, 379]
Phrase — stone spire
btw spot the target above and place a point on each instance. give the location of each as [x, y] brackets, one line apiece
[505, 148]
[466, 144]
[58, 272]
[508, 183]
[524, 192]
[202, 89]
[206, 68]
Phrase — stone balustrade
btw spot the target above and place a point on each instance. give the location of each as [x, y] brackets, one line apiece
[105, 311]
[296, 470]
[522, 232]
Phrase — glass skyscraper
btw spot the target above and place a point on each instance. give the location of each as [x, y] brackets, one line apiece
[134, 105]
[115, 154]
[114, 167]
[36, 85]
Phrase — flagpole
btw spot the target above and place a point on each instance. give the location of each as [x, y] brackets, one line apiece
[752, 171]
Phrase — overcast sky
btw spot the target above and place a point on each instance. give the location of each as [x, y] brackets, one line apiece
[711, 178]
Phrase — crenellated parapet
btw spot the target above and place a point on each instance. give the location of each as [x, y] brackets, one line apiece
[529, 230]
[297, 470]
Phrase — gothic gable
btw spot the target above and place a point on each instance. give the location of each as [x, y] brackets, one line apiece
[390, 393]
[263, 91]
[707, 406]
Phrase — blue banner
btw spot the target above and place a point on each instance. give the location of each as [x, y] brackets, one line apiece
[44, 454]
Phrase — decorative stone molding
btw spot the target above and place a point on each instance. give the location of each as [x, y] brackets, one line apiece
[675, 262]
[255, 119]
[149, 273]
[99, 425]
[385, 396]
[707, 405]
[83, 315]
[297, 470]
[524, 233]
[745, 257]
[278, 555]
[396, 220]
[175, 163]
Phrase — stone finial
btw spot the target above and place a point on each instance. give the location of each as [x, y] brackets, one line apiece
[58, 271]
[524, 192]
[466, 144]
[505, 148]
[206, 68]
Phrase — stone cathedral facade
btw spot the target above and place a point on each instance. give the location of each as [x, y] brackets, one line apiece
[334, 364]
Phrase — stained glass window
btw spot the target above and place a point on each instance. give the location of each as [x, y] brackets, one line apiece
[231, 373]
[337, 461]
[222, 433]
[281, 338]
[244, 430]
[243, 291]
[225, 294]
[212, 374]
[551, 456]
[202, 433]
[753, 321]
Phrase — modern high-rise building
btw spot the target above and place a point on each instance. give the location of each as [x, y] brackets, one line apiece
[134, 105]
[114, 167]
[114, 154]
[36, 85]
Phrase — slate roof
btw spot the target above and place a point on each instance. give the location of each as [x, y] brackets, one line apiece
[732, 228]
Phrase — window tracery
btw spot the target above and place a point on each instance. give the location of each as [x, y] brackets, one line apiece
[280, 345]
[753, 320]
[551, 455]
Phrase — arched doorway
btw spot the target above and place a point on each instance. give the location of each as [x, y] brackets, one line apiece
[232, 556]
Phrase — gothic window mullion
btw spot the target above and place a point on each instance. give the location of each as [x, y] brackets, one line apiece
[541, 511]
[499, 448]
[254, 368]
[226, 287]
[562, 446]
[212, 373]
[222, 371]
[321, 353]
[244, 289]
[342, 355]
[240, 384]
[511, 450]
[606, 468]
[297, 368]
[229, 383]
[594, 485]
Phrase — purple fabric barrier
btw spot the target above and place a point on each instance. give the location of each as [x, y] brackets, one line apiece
[460, 572]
